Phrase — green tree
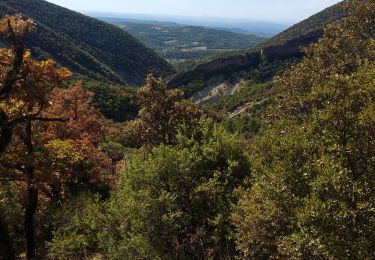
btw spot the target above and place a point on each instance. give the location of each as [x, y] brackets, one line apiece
[174, 202]
[162, 111]
[77, 222]
[313, 195]
[345, 45]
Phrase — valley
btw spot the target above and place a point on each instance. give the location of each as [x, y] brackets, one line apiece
[164, 136]
[176, 42]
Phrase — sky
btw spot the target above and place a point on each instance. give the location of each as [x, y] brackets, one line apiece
[281, 11]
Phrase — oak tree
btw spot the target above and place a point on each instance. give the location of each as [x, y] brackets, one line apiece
[49, 137]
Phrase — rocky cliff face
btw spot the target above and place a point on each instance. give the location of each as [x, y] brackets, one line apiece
[217, 88]
[218, 67]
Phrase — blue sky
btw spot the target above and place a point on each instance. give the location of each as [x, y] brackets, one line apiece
[283, 11]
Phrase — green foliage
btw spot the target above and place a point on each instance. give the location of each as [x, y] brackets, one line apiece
[162, 111]
[77, 222]
[267, 70]
[314, 189]
[86, 45]
[252, 93]
[313, 193]
[11, 213]
[246, 124]
[265, 210]
[175, 202]
[313, 23]
[115, 102]
[194, 86]
[186, 65]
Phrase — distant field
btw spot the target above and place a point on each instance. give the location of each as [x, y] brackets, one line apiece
[177, 42]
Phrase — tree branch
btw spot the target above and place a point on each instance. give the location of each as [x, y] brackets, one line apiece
[12, 75]
[12, 166]
[34, 118]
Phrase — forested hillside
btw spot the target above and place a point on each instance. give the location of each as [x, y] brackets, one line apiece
[289, 176]
[86, 45]
[314, 23]
[177, 42]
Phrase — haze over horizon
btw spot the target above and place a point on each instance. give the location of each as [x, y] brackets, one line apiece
[277, 11]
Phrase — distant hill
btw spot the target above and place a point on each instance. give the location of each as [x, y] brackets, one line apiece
[265, 29]
[260, 28]
[258, 64]
[313, 23]
[86, 45]
[177, 42]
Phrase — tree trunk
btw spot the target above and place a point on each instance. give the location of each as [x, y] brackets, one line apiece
[31, 207]
[6, 247]
[5, 131]
[32, 199]
[6, 250]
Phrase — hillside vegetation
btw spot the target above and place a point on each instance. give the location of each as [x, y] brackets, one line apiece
[86, 45]
[314, 23]
[261, 62]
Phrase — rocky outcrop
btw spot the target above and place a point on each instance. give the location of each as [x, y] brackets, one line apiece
[217, 88]
[222, 66]
[227, 66]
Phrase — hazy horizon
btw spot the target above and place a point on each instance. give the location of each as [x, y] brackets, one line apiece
[275, 11]
[165, 17]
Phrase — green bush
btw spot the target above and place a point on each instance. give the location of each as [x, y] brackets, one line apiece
[175, 201]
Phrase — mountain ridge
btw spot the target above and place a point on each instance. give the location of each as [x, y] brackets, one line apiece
[254, 26]
[85, 45]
